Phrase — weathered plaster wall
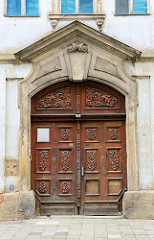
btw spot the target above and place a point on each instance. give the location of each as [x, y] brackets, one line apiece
[143, 71]
[145, 134]
[137, 31]
[10, 77]
[2, 123]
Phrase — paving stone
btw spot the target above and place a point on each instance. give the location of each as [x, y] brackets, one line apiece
[114, 236]
[142, 237]
[128, 237]
[48, 234]
[78, 229]
[151, 237]
[35, 233]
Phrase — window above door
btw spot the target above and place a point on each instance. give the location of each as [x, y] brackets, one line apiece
[69, 10]
[77, 6]
[132, 7]
[22, 8]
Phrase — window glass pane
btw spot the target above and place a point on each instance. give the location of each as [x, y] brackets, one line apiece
[32, 8]
[85, 6]
[139, 6]
[13, 7]
[43, 134]
[122, 7]
[68, 6]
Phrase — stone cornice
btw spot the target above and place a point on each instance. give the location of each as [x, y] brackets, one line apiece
[8, 58]
[72, 30]
[55, 18]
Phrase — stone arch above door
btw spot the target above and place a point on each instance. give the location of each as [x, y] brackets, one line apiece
[78, 53]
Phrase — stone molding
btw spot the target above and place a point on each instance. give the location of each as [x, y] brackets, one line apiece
[55, 18]
[52, 63]
[97, 7]
[73, 30]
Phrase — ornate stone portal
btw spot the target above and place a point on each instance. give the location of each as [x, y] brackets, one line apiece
[103, 47]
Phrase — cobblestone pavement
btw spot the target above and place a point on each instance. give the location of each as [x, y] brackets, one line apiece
[74, 228]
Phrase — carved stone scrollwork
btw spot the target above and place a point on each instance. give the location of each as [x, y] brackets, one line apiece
[43, 187]
[65, 160]
[97, 98]
[43, 160]
[81, 47]
[114, 159]
[91, 134]
[65, 134]
[60, 98]
[91, 157]
[100, 23]
[65, 187]
[113, 133]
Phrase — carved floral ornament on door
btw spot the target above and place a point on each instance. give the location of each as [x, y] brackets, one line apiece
[82, 156]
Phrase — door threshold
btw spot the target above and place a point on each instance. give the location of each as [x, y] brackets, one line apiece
[80, 216]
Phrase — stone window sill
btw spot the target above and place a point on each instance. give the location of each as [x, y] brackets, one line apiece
[21, 16]
[54, 18]
[126, 15]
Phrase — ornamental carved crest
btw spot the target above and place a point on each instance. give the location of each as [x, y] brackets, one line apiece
[65, 134]
[65, 160]
[114, 159]
[43, 160]
[113, 132]
[91, 134]
[98, 98]
[65, 187]
[91, 160]
[60, 98]
[43, 187]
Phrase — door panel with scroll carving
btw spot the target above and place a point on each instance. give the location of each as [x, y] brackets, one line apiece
[54, 174]
[104, 167]
[78, 149]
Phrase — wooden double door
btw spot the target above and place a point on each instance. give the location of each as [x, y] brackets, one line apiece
[78, 159]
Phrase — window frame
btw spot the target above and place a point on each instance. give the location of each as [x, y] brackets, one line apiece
[77, 7]
[55, 15]
[130, 2]
[23, 10]
[97, 7]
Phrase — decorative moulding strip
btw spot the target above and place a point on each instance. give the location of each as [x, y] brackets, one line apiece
[99, 18]
[77, 28]
[62, 17]
[8, 58]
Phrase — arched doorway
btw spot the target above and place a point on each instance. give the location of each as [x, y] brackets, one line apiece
[78, 149]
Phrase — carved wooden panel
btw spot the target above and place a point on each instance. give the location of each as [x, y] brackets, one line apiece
[42, 163]
[65, 187]
[92, 160]
[43, 187]
[59, 98]
[83, 151]
[113, 134]
[98, 98]
[114, 186]
[65, 134]
[65, 160]
[74, 98]
[92, 187]
[91, 134]
[114, 159]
